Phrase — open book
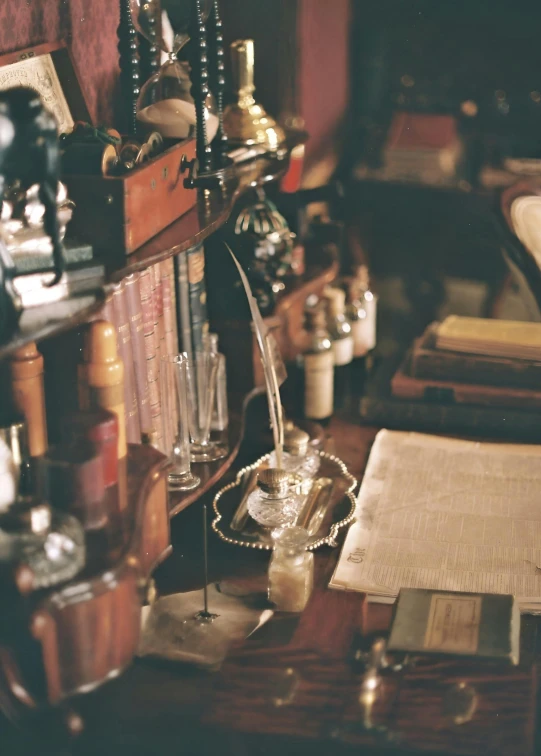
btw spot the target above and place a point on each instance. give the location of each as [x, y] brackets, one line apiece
[446, 514]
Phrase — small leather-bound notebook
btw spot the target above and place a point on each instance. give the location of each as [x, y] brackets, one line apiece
[483, 625]
[427, 361]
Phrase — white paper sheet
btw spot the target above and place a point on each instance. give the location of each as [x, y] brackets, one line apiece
[446, 514]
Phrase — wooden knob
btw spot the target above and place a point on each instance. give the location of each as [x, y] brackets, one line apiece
[28, 392]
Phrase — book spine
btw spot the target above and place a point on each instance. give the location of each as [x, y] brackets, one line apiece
[133, 430]
[183, 304]
[498, 422]
[197, 296]
[151, 351]
[169, 316]
[158, 305]
[135, 314]
[432, 365]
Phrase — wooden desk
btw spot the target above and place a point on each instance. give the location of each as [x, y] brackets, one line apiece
[157, 708]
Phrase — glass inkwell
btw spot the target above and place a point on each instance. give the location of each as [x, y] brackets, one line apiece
[165, 103]
[298, 457]
[274, 504]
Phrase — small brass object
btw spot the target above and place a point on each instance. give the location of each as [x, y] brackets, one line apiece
[460, 703]
[246, 122]
[371, 681]
[284, 684]
[240, 518]
[315, 504]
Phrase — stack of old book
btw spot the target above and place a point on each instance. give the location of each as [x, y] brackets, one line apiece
[420, 148]
[466, 375]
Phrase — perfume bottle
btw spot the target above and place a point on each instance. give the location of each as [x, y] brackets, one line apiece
[297, 456]
[291, 570]
[273, 504]
[318, 365]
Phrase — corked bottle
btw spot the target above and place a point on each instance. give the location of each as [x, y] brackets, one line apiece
[101, 376]
[342, 342]
[26, 367]
[318, 364]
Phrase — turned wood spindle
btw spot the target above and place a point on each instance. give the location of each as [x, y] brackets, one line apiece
[217, 76]
[129, 65]
[200, 88]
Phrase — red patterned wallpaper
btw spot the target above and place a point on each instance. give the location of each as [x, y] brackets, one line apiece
[89, 27]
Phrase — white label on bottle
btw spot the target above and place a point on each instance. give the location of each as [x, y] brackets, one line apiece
[318, 385]
[343, 351]
[364, 330]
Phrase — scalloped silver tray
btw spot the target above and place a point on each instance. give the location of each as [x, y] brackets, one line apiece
[337, 513]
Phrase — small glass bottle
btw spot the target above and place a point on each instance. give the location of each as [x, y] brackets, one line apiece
[362, 311]
[339, 326]
[291, 570]
[342, 343]
[318, 364]
[220, 415]
[50, 543]
[298, 457]
[273, 504]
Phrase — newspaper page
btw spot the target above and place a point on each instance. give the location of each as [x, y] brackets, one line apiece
[446, 514]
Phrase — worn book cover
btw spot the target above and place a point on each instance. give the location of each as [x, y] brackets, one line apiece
[429, 362]
[497, 338]
[461, 624]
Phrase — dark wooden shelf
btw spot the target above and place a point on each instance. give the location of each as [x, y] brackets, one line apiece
[211, 211]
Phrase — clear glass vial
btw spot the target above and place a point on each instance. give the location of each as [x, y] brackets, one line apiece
[291, 570]
[273, 504]
[220, 416]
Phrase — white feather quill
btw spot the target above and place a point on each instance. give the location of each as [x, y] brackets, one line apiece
[270, 369]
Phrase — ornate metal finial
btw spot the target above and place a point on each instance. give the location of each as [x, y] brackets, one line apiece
[200, 88]
[129, 64]
[217, 77]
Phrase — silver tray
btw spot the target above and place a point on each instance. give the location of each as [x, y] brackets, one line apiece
[333, 510]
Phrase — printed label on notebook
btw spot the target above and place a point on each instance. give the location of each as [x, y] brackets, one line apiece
[453, 623]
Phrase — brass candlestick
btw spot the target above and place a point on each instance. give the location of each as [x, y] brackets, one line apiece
[246, 122]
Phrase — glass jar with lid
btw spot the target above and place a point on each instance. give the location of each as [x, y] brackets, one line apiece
[273, 504]
[291, 570]
[298, 456]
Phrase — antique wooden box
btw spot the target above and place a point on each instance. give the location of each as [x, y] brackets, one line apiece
[116, 214]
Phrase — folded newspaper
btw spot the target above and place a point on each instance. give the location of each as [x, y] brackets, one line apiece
[446, 514]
